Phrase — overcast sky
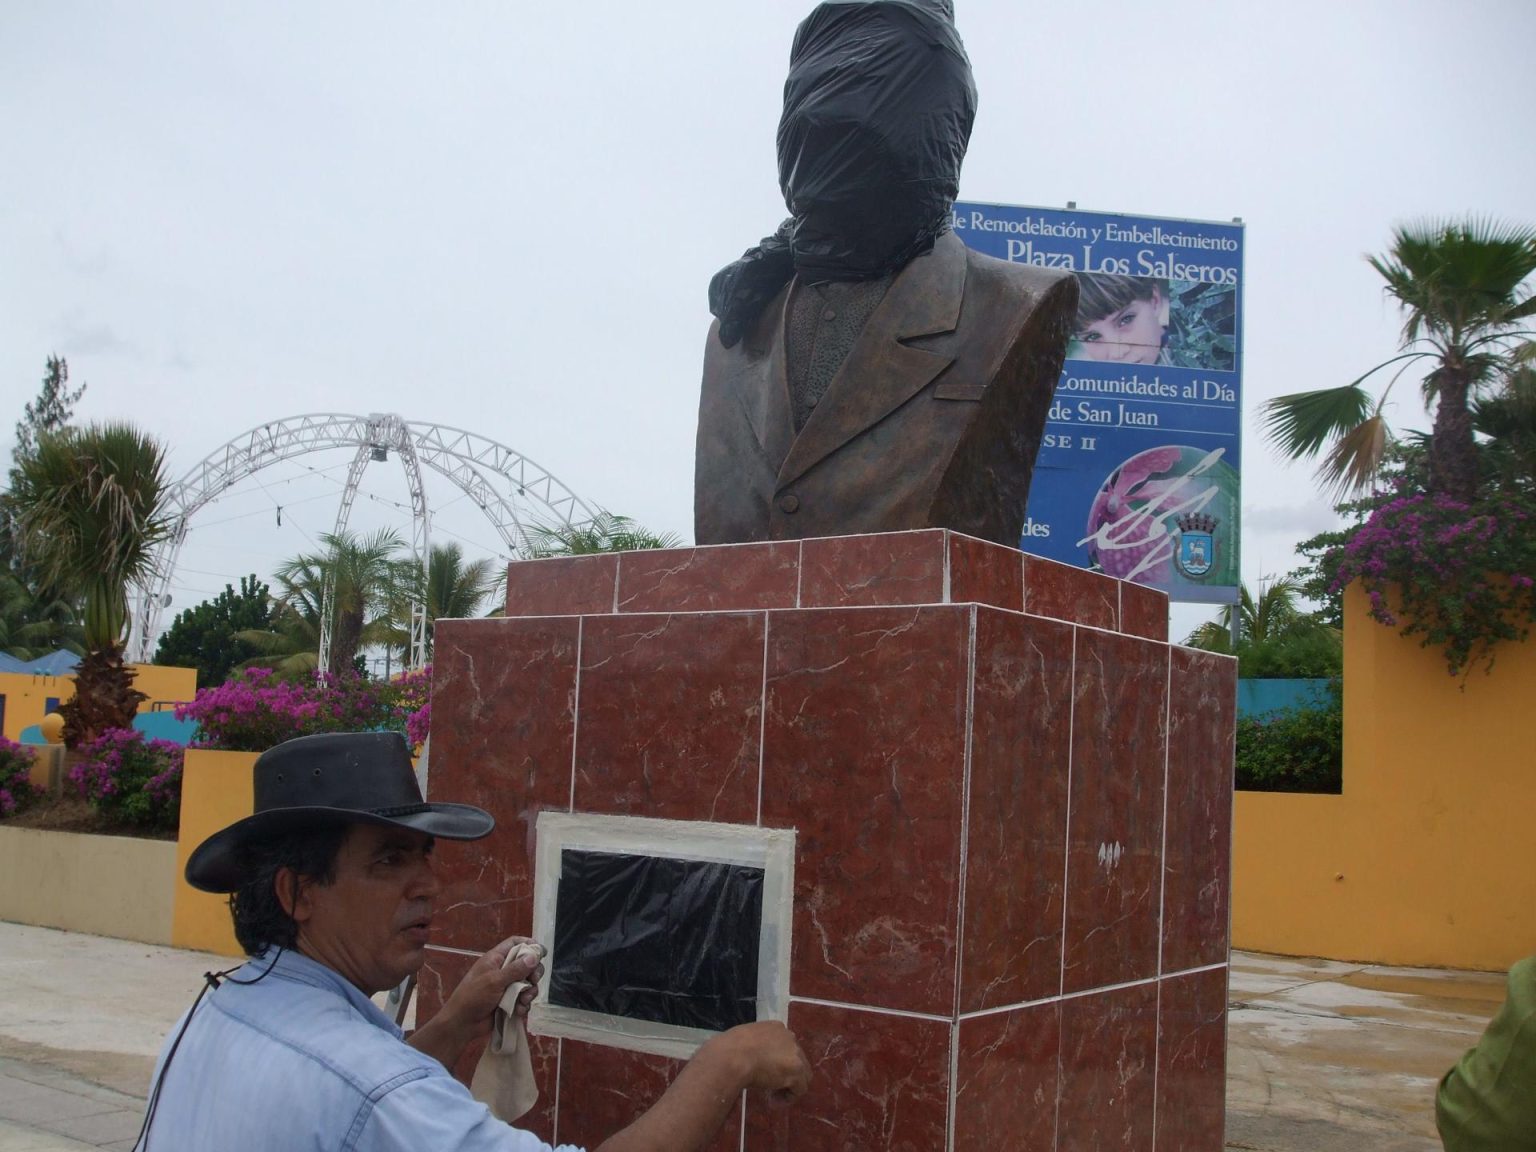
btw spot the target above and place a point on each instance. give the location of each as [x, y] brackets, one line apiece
[504, 217]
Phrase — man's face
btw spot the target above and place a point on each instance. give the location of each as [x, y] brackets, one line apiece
[372, 923]
[1133, 335]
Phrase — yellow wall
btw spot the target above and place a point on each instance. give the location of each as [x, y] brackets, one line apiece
[26, 695]
[105, 885]
[215, 792]
[1429, 856]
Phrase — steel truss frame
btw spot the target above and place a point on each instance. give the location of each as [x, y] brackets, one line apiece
[497, 478]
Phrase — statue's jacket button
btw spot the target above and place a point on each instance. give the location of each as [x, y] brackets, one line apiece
[789, 502]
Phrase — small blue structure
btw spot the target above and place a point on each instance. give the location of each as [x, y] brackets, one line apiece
[1258, 697]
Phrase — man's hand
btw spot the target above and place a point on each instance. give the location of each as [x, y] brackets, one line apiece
[467, 1014]
[769, 1058]
[474, 1002]
[762, 1057]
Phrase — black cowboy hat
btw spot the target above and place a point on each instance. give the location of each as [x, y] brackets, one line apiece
[345, 777]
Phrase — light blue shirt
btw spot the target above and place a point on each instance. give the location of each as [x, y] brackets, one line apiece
[302, 1060]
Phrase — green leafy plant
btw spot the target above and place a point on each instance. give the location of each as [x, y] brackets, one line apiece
[1298, 750]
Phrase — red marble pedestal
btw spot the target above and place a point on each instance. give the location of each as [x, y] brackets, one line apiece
[1012, 800]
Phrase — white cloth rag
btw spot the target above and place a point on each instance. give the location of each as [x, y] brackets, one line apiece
[503, 1079]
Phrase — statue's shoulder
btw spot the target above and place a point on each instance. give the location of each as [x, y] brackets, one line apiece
[1022, 280]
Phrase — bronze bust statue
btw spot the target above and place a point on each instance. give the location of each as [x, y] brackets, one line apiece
[867, 372]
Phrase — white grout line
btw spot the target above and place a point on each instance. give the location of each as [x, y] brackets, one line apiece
[1066, 856]
[762, 719]
[1162, 888]
[559, 1070]
[1066, 873]
[982, 1013]
[965, 854]
[576, 707]
[799, 570]
[1157, 1047]
[1162, 855]
[945, 589]
[618, 561]
[871, 1009]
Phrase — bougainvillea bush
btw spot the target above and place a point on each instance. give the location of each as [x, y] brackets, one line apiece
[132, 780]
[256, 709]
[1459, 576]
[16, 791]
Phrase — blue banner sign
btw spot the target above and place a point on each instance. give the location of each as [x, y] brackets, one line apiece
[1138, 475]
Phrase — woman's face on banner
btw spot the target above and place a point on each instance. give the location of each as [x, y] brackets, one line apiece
[1133, 335]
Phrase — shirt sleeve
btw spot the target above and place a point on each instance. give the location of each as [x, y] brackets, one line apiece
[1487, 1102]
[437, 1114]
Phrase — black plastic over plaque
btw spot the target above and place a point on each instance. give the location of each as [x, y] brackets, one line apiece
[658, 939]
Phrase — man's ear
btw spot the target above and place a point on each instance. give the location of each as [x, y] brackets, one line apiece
[293, 894]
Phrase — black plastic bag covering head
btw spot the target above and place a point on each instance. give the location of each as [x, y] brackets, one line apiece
[877, 115]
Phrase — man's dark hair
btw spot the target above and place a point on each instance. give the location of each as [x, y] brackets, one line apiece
[260, 921]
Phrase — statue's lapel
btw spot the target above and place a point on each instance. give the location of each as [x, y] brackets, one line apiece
[767, 403]
[881, 373]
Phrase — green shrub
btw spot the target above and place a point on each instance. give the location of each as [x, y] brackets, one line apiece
[1299, 750]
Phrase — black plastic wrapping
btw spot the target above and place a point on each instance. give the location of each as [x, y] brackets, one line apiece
[877, 115]
[658, 939]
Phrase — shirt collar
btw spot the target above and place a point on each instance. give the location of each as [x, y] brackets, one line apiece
[295, 966]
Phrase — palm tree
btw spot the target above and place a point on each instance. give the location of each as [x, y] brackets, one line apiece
[1275, 636]
[362, 576]
[1508, 419]
[33, 625]
[91, 510]
[605, 532]
[455, 589]
[1463, 288]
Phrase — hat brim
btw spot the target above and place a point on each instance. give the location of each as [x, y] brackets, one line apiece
[214, 865]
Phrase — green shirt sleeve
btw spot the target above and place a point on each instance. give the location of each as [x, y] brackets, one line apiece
[1487, 1102]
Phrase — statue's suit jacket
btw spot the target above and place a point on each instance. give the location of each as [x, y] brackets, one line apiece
[934, 419]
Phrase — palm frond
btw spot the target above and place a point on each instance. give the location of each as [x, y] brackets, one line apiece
[1301, 423]
[1355, 458]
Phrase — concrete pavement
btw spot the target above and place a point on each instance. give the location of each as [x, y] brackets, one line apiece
[1322, 1056]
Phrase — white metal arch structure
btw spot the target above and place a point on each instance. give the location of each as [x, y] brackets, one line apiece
[499, 479]
[384, 432]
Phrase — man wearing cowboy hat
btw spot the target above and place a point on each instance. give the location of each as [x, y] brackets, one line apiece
[331, 888]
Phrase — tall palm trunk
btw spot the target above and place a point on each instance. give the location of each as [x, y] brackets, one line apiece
[104, 696]
[1452, 450]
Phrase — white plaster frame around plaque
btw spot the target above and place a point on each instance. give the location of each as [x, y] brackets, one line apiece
[771, 849]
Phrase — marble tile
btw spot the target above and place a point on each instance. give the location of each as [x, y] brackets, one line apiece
[1006, 1081]
[985, 573]
[603, 1090]
[1063, 592]
[1016, 842]
[670, 714]
[1108, 1069]
[1114, 845]
[1197, 871]
[879, 1083]
[562, 585]
[1143, 611]
[503, 721]
[864, 754]
[730, 578]
[876, 569]
[1191, 1062]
